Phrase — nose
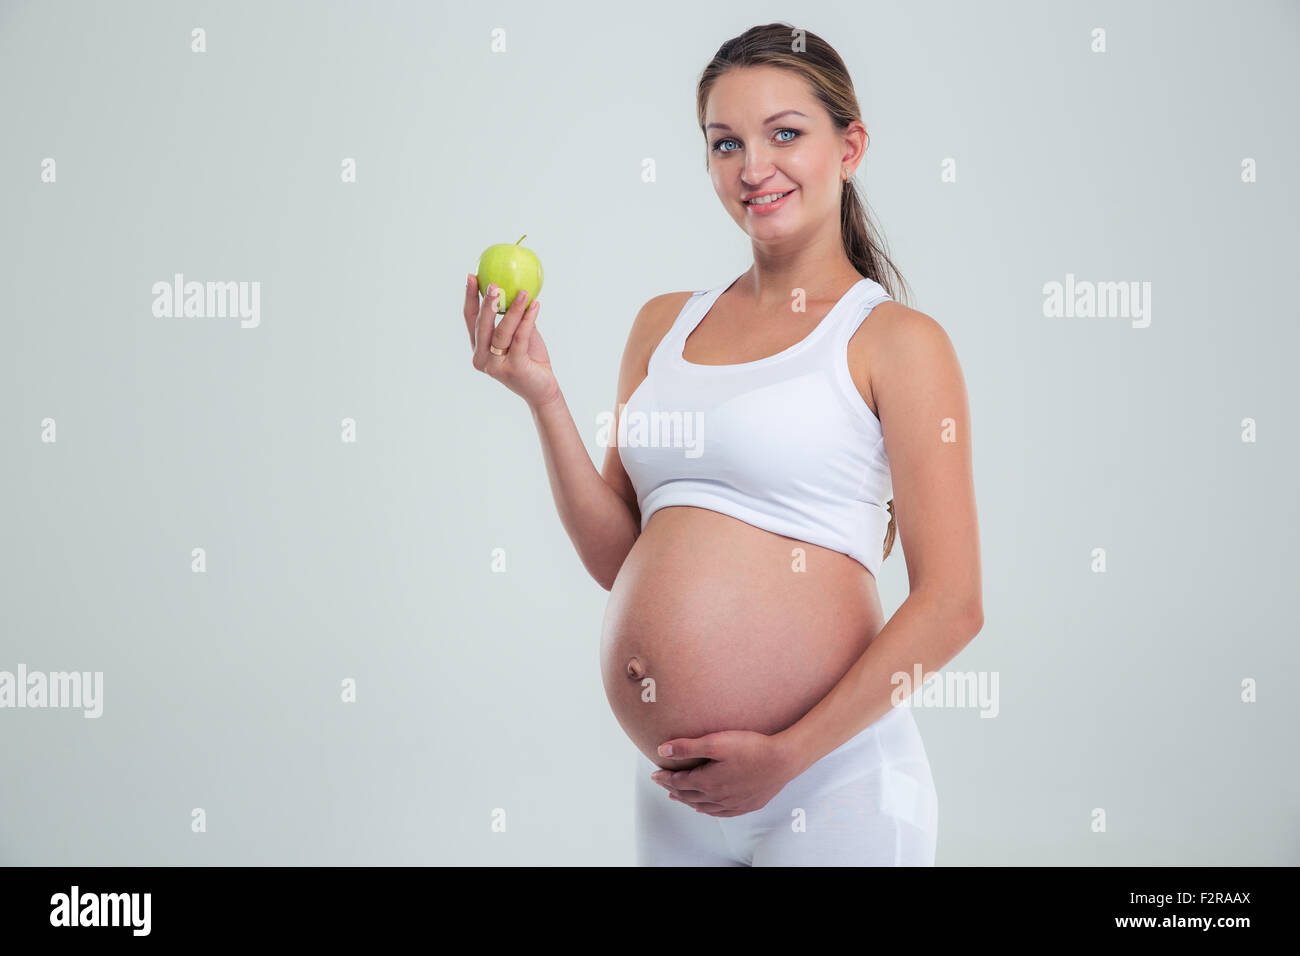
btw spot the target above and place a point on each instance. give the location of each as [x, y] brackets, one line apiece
[756, 172]
[758, 167]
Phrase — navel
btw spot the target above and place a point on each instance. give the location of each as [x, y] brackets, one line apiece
[634, 669]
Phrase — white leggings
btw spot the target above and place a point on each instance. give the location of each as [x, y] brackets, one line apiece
[869, 802]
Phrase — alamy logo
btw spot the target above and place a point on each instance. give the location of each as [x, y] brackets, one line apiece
[208, 300]
[102, 909]
[940, 689]
[55, 689]
[1098, 300]
[654, 430]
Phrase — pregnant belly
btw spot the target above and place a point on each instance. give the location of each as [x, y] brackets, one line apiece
[712, 624]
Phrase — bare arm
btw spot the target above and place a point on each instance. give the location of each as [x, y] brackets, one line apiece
[599, 509]
[598, 520]
[921, 398]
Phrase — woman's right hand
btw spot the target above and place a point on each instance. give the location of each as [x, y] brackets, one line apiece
[525, 369]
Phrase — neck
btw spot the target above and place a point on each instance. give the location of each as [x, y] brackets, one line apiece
[821, 271]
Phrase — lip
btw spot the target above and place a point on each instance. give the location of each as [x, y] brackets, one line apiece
[771, 206]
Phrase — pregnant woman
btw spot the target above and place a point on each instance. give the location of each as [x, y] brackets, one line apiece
[744, 507]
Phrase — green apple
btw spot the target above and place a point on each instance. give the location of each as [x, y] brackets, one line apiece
[512, 268]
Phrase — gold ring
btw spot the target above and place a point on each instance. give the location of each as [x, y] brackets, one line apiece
[496, 351]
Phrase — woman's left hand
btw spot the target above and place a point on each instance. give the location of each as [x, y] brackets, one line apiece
[745, 770]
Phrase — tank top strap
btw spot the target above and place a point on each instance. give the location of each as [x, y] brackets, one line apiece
[864, 297]
[692, 311]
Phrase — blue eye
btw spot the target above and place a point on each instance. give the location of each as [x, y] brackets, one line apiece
[728, 139]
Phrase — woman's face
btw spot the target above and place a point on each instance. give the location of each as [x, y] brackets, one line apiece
[756, 145]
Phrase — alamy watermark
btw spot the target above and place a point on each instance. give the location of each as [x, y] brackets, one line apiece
[1085, 299]
[76, 908]
[653, 430]
[943, 689]
[208, 300]
[58, 689]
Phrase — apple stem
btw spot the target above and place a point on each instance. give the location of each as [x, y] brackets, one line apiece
[520, 239]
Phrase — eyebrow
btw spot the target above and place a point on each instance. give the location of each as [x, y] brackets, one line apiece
[765, 122]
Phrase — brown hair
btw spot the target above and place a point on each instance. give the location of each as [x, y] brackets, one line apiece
[805, 53]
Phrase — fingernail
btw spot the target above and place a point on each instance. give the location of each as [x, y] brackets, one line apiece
[468, 279]
[666, 750]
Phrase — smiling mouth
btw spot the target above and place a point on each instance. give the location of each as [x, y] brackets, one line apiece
[766, 200]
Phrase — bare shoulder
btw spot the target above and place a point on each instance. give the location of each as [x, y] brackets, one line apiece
[895, 339]
[898, 326]
[649, 327]
[658, 314]
[909, 349]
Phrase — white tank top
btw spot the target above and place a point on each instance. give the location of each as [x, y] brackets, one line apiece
[785, 443]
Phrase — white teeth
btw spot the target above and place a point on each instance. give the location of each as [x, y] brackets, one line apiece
[764, 200]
